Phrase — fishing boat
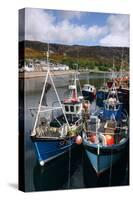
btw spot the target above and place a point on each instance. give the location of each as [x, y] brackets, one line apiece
[122, 79]
[57, 127]
[105, 135]
[122, 87]
[89, 92]
[102, 93]
[123, 94]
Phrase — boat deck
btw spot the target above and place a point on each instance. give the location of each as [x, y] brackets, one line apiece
[96, 132]
[58, 128]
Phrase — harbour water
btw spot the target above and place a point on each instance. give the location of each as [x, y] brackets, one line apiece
[71, 170]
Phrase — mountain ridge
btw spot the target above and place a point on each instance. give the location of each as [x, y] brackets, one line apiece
[70, 54]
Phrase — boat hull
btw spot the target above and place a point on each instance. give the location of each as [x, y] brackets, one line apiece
[123, 95]
[88, 95]
[100, 96]
[104, 158]
[107, 113]
[49, 149]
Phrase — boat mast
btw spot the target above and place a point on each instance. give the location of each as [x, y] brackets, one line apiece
[43, 91]
[104, 80]
[40, 102]
[113, 73]
[76, 80]
[121, 69]
[113, 87]
[75, 91]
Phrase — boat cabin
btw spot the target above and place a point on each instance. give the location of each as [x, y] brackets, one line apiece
[73, 108]
[73, 105]
[73, 111]
[89, 88]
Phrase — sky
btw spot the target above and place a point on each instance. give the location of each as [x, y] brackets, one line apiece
[74, 27]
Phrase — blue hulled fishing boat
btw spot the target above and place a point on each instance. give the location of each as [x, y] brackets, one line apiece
[105, 135]
[122, 87]
[121, 82]
[57, 128]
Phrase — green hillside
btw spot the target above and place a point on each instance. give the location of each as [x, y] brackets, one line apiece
[91, 57]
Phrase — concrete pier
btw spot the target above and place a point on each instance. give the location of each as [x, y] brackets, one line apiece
[35, 74]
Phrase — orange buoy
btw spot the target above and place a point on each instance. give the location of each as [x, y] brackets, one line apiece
[109, 139]
[86, 105]
[78, 139]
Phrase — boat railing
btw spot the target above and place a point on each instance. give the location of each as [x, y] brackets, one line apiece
[106, 139]
[120, 132]
[46, 131]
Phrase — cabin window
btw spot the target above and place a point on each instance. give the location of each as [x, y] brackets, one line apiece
[66, 108]
[72, 108]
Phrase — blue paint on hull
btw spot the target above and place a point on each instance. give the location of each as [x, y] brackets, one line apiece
[102, 162]
[107, 114]
[49, 149]
[100, 96]
[108, 155]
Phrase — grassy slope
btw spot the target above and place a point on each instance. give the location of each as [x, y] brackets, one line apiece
[91, 57]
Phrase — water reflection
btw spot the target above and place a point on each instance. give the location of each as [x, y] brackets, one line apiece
[118, 175]
[56, 174]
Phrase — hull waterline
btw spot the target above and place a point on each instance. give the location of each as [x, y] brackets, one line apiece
[103, 158]
[49, 149]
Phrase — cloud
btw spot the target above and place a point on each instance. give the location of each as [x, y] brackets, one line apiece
[118, 31]
[43, 25]
[38, 24]
[67, 32]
